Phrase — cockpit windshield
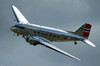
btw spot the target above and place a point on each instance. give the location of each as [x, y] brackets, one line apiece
[21, 27]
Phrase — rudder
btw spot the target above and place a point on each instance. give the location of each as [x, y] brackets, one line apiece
[84, 30]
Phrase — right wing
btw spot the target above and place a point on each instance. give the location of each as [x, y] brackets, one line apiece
[57, 49]
[45, 43]
[19, 16]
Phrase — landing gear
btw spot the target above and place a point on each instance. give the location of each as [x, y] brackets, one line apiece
[17, 34]
[23, 36]
[34, 44]
[75, 42]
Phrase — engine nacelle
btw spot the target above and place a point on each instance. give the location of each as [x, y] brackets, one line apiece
[32, 41]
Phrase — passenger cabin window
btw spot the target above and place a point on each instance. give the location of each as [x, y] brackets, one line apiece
[38, 32]
[54, 35]
[57, 36]
[50, 35]
[65, 38]
[34, 31]
[42, 33]
[46, 34]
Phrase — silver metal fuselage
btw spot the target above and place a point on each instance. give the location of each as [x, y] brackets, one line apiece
[49, 33]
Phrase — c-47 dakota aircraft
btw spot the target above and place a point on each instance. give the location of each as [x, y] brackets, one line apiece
[42, 35]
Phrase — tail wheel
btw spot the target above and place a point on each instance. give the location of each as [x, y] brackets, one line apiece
[75, 42]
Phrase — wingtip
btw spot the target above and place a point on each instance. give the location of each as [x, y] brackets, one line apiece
[94, 46]
[78, 59]
[12, 6]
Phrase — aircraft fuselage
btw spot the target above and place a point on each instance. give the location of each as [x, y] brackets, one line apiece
[51, 34]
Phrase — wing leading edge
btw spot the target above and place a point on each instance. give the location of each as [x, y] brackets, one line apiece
[19, 16]
[58, 50]
[48, 45]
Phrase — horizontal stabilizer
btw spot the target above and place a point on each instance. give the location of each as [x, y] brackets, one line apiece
[89, 43]
[81, 39]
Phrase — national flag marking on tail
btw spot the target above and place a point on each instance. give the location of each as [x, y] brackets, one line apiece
[87, 30]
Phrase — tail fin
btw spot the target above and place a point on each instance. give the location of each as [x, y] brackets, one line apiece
[84, 30]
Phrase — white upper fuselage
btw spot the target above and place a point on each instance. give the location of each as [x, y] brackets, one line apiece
[49, 33]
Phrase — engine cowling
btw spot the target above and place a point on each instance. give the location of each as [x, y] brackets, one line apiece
[32, 41]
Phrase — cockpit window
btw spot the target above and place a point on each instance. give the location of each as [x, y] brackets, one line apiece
[19, 27]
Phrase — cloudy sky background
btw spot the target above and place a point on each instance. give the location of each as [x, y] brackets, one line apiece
[62, 14]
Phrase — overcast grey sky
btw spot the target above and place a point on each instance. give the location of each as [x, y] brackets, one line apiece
[63, 14]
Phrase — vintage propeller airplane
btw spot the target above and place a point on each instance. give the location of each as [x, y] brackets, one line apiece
[42, 35]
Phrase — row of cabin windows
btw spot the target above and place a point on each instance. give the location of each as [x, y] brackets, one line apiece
[49, 34]
[46, 34]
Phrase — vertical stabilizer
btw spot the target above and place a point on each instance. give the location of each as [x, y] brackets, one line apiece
[84, 30]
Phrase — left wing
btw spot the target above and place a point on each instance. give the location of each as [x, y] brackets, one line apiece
[19, 16]
[45, 43]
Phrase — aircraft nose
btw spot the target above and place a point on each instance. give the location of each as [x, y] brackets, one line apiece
[12, 28]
